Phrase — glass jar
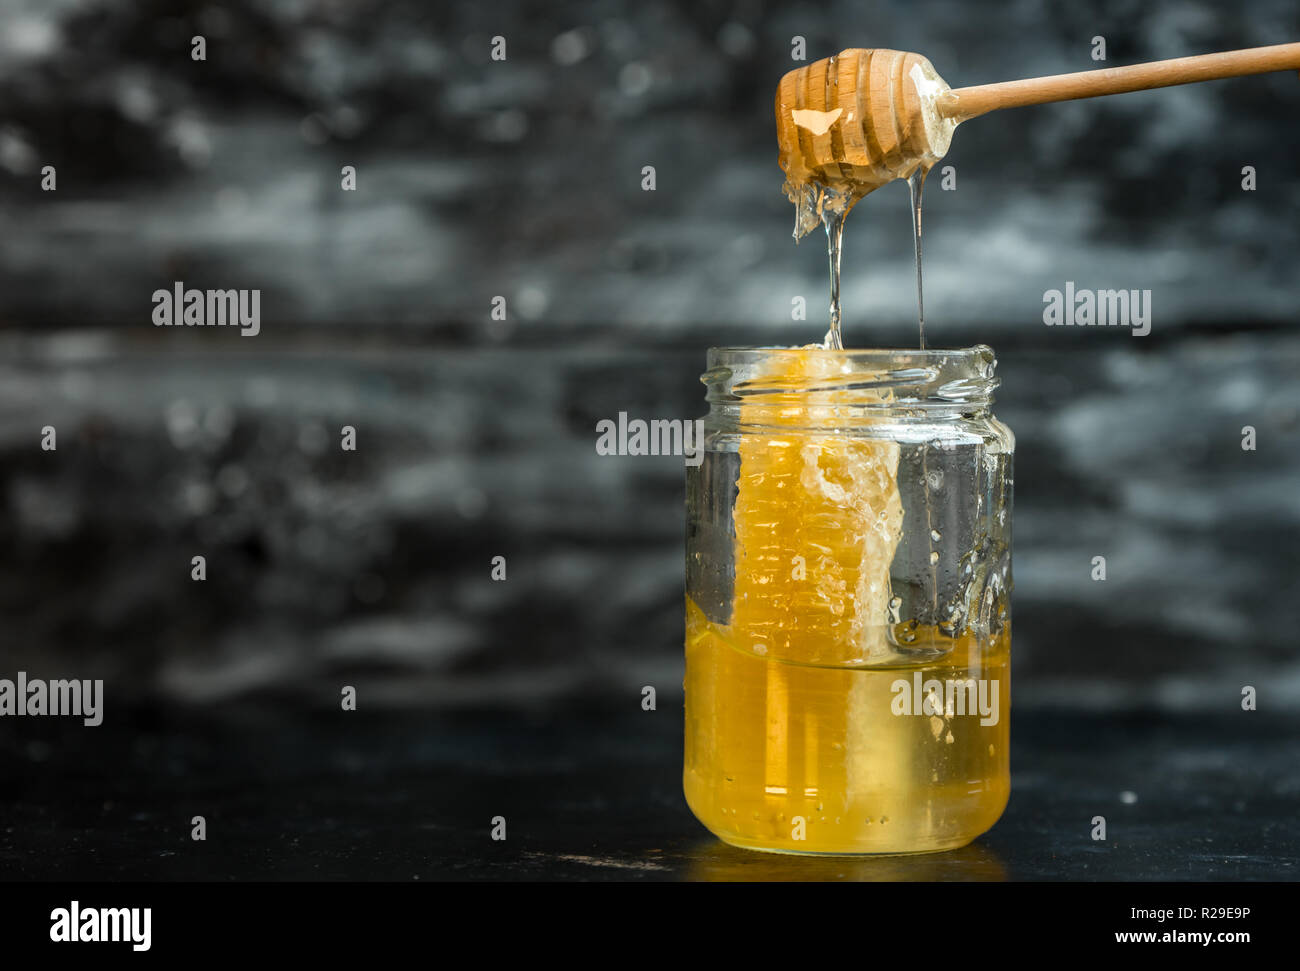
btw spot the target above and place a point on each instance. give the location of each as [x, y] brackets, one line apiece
[848, 572]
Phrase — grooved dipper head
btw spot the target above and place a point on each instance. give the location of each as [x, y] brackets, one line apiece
[858, 120]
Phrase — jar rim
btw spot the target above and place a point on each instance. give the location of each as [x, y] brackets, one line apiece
[856, 377]
[973, 352]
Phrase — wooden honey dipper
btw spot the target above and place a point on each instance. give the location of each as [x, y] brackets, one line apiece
[868, 116]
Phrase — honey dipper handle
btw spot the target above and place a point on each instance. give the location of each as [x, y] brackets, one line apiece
[964, 103]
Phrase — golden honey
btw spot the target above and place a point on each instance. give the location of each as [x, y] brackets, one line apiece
[781, 756]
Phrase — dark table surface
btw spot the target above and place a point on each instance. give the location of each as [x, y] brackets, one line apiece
[591, 794]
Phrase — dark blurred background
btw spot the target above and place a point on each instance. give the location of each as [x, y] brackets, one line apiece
[475, 438]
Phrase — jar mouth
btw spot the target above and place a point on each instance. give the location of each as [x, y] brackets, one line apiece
[867, 377]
